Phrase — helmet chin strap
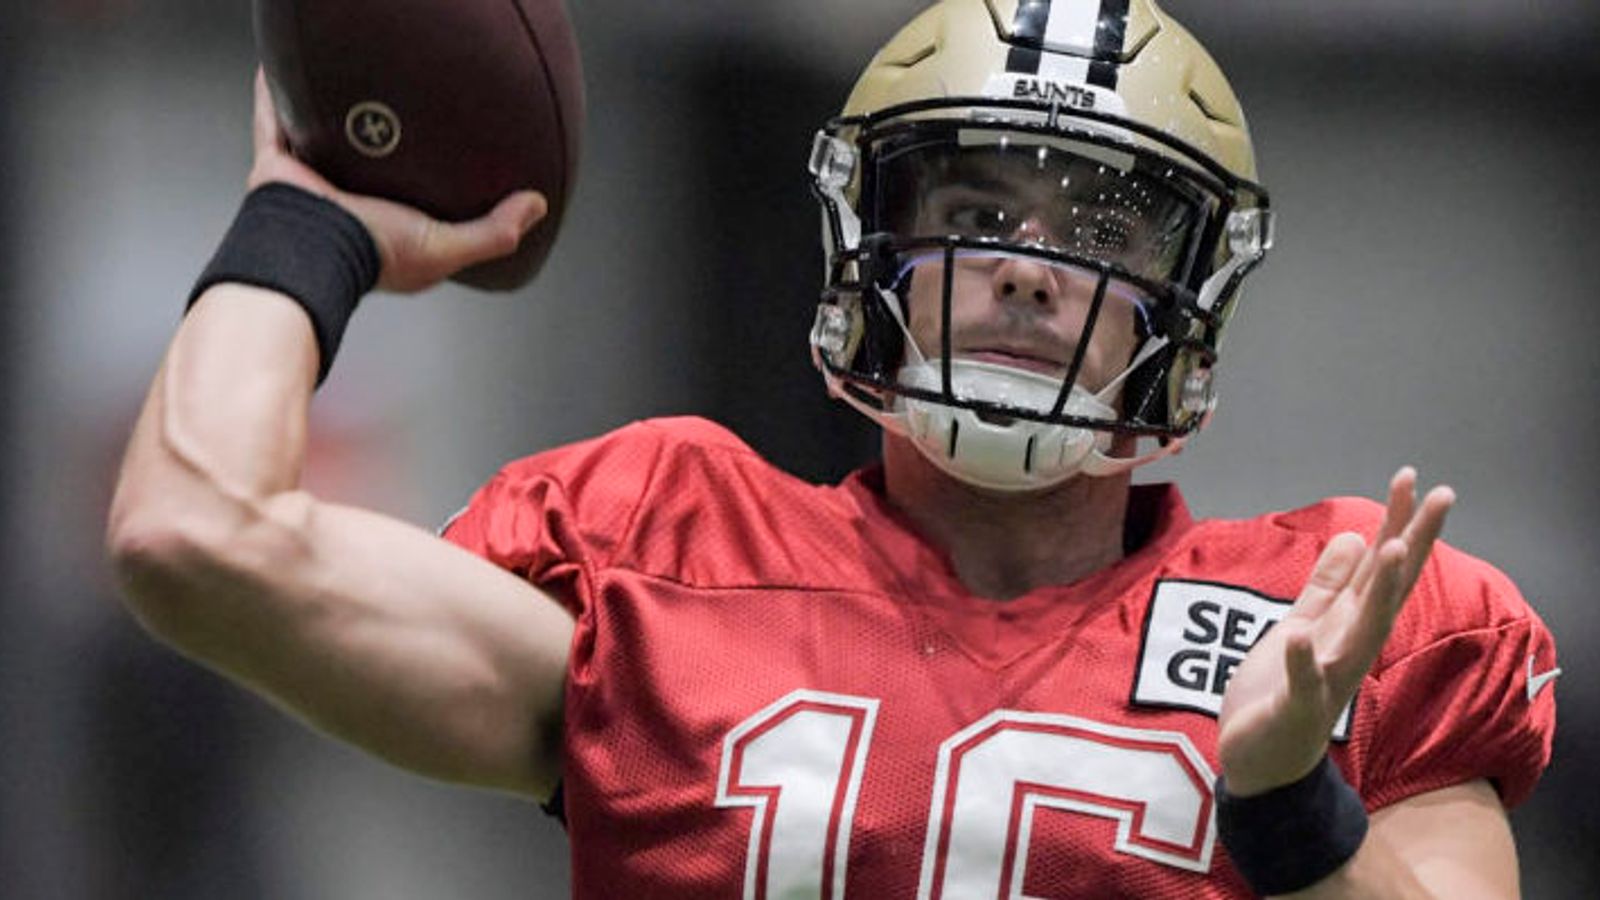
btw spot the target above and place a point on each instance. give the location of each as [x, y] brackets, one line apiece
[999, 453]
[1007, 454]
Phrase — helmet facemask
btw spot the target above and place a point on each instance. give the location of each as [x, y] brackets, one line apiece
[1130, 244]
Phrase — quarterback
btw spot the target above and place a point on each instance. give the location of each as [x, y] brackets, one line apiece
[985, 666]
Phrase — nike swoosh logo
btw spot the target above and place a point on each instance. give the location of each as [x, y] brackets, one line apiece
[1536, 683]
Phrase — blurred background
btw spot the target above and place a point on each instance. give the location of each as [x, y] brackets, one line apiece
[1431, 301]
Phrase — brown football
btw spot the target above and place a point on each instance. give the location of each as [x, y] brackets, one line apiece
[446, 105]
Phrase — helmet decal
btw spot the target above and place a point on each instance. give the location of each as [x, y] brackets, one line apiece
[1097, 31]
[1064, 53]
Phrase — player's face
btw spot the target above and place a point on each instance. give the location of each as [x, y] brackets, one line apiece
[1026, 311]
[1020, 312]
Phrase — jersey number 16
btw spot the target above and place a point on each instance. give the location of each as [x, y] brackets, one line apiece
[811, 749]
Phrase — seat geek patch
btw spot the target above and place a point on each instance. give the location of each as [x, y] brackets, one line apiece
[1195, 636]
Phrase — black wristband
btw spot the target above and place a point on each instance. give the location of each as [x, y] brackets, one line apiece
[1293, 836]
[292, 241]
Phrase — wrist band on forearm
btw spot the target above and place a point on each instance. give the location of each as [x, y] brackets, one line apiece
[1293, 836]
[292, 241]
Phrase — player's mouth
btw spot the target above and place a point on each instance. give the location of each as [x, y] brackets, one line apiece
[1018, 358]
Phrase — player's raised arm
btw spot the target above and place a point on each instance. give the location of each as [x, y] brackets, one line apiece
[371, 629]
[1286, 815]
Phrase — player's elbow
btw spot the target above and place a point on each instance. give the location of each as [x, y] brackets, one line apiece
[176, 564]
[156, 560]
[160, 559]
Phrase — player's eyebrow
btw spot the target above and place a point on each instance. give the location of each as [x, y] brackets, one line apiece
[983, 179]
[983, 185]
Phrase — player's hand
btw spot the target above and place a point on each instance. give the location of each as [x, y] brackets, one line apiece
[417, 251]
[1281, 705]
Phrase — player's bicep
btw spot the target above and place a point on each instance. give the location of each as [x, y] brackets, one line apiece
[389, 637]
[1456, 841]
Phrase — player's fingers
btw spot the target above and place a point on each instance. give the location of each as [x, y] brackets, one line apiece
[1397, 563]
[265, 130]
[523, 210]
[419, 251]
[1300, 661]
[1376, 607]
[1382, 599]
[453, 246]
[274, 161]
[1330, 575]
[1425, 529]
[1396, 517]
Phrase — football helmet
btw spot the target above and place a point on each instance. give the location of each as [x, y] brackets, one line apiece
[1036, 219]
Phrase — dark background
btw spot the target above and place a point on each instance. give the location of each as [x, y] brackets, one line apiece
[1431, 302]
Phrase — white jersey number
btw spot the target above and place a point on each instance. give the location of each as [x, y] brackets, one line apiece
[798, 763]
[810, 749]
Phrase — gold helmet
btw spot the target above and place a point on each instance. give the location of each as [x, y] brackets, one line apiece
[1093, 140]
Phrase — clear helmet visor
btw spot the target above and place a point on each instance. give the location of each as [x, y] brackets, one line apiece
[1088, 201]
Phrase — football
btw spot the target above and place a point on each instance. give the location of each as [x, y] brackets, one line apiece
[445, 105]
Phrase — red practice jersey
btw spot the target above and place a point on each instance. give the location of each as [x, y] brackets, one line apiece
[778, 689]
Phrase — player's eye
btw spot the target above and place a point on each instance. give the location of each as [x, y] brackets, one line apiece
[972, 211]
[980, 219]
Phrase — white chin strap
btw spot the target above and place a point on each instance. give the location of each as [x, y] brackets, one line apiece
[1001, 454]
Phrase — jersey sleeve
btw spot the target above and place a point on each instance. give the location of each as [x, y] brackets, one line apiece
[1466, 703]
[557, 517]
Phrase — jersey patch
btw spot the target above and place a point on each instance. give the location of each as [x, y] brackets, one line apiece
[1195, 635]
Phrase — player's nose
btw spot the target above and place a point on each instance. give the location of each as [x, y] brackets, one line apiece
[1038, 283]
[1021, 279]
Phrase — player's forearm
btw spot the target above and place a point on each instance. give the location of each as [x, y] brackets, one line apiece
[1454, 842]
[222, 434]
[1376, 872]
[236, 388]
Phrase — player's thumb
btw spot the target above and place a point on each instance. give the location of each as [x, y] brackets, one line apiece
[1331, 574]
[523, 209]
[462, 244]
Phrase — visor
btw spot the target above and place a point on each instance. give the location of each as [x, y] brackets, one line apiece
[1082, 200]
